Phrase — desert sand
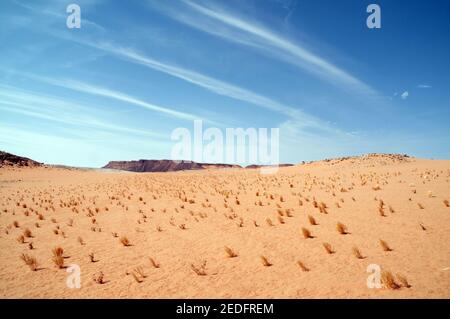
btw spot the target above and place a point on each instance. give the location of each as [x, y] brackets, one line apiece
[179, 224]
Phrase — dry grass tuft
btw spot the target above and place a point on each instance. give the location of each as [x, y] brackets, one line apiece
[312, 220]
[328, 248]
[200, 270]
[306, 233]
[403, 281]
[265, 261]
[99, 278]
[125, 241]
[342, 229]
[357, 253]
[154, 263]
[388, 280]
[138, 274]
[230, 252]
[92, 258]
[385, 246]
[27, 233]
[302, 266]
[58, 251]
[30, 261]
[58, 258]
[21, 239]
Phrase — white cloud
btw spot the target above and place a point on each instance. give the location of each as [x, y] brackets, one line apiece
[232, 28]
[424, 86]
[404, 95]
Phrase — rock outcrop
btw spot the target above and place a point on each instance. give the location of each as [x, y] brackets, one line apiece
[7, 159]
[163, 165]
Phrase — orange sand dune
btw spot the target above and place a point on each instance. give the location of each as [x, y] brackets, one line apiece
[184, 221]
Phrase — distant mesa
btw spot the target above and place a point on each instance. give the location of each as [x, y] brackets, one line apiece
[163, 166]
[7, 159]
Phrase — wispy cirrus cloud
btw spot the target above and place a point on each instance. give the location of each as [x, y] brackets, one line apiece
[106, 46]
[215, 20]
[56, 109]
[216, 86]
[424, 86]
[88, 88]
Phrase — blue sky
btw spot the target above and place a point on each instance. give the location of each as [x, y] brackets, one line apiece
[136, 70]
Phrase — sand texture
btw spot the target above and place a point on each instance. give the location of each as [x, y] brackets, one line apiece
[184, 221]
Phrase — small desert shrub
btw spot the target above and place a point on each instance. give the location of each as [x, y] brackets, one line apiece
[328, 248]
[199, 270]
[27, 233]
[381, 211]
[422, 227]
[29, 261]
[58, 251]
[302, 266]
[281, 220]
[341, 228]
[80, 240]
[58, 261]
[420, 205]
[357, 253]
[265, 261]
[403, 281]
[269, 222]
[384, 245]
[306, 233]
[124, 240]
[446, 203]
[230, 252]
[312, 220]
[154, 263]
[92, 258]
[16, 224]
[388, 280]
[99, 278]
[21, 239]
[138, 274]
[323, 208]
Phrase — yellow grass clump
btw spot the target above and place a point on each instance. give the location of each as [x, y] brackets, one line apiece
[29, 261]
[328, 248]
[306, 233]
[230, 252]
[265, 261]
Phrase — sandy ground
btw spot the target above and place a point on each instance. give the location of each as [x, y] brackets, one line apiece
[184, 220]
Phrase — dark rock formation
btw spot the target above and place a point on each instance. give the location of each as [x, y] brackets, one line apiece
[7, 159]
[162, 165]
